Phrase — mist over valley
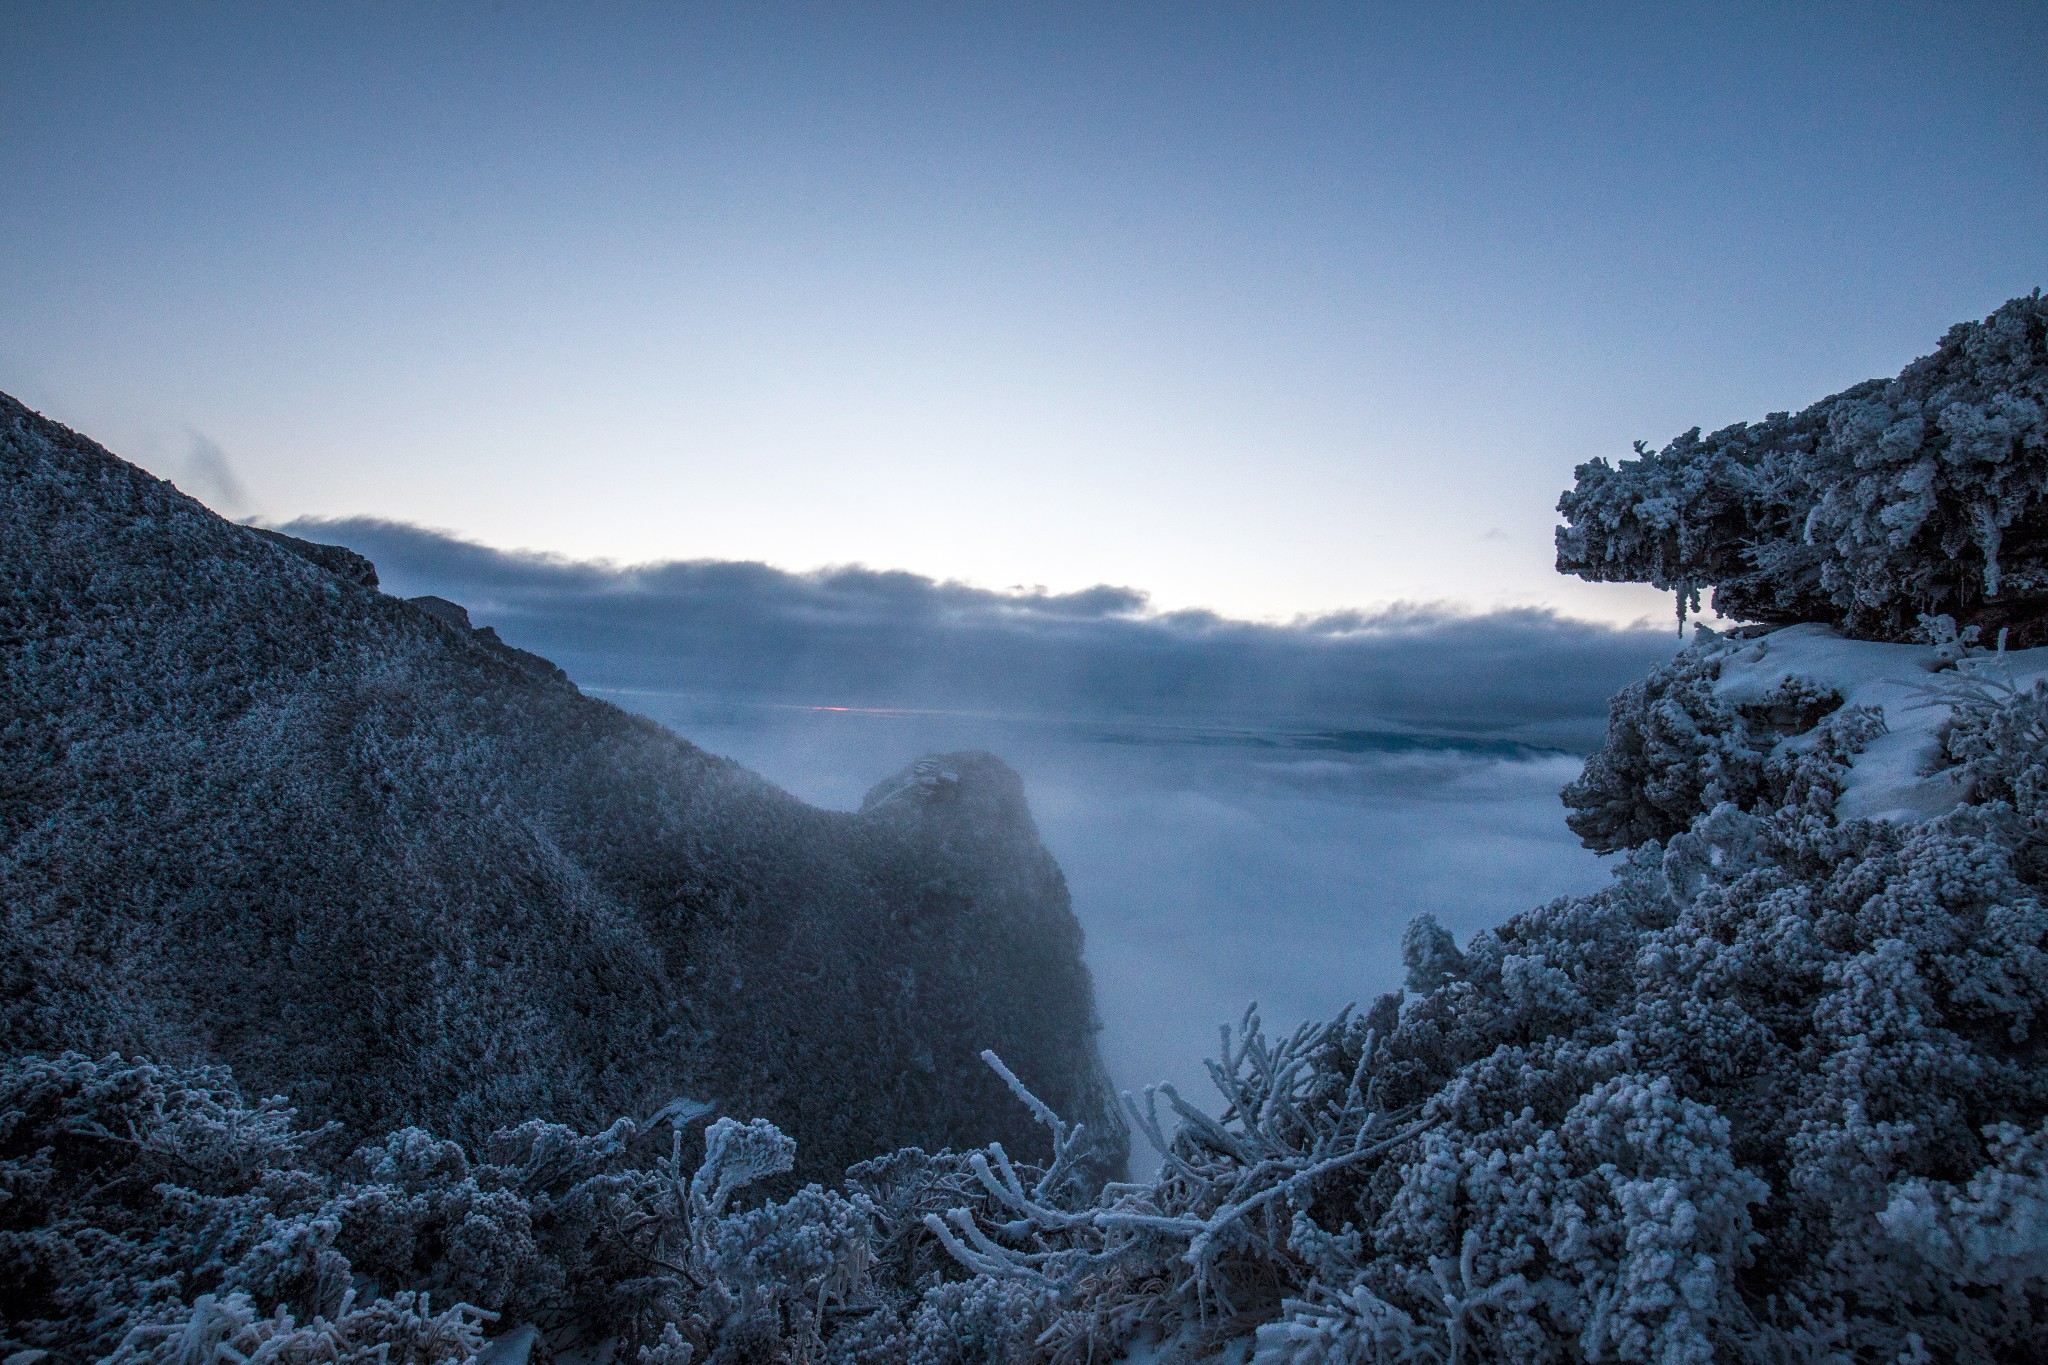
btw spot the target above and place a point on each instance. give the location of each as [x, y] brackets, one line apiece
[1245, 812]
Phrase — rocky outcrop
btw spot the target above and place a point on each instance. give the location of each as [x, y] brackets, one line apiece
[259, 813]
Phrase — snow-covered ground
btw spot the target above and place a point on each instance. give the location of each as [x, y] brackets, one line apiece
[1892, 778]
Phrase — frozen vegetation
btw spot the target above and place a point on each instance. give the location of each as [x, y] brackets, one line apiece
[1924, 494]
[1775, 1094]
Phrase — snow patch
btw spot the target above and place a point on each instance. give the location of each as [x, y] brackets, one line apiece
[1894, 777]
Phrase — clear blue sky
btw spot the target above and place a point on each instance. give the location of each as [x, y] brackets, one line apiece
[1266, 308]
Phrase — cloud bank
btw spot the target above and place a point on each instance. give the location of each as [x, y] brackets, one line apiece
[860, 637]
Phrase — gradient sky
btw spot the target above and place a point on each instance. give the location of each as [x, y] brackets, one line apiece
[1264, 308]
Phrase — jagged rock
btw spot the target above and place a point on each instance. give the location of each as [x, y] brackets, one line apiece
[336, 559]
[259, 813]
[442, 610]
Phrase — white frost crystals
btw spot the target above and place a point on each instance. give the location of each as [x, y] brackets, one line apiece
[735, 1156]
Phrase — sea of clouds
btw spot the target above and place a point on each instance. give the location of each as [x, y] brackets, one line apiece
[1244, 811]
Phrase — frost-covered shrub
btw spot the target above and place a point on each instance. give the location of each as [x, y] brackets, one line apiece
[1924, 493]
[1347, 1327]
[983, 1321]
[227, 1330]
[128, 1190]
[1675, 750]
[152, 1200]
[149, 1214]
[1672, 749]
[1996, 740]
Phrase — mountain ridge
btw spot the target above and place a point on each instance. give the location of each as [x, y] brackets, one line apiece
[262, 814]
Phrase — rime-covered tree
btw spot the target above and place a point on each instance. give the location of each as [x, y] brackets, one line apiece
[1926, 494]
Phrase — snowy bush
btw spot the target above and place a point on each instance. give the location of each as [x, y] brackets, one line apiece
[229, 1331]
[1927, 493]
[1676, 749]
[1997, 741]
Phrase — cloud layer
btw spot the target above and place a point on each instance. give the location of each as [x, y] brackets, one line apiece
[867, 638]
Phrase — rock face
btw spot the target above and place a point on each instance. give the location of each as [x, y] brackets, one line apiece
[256, 812]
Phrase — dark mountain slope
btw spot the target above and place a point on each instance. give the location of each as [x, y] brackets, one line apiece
[254, 811]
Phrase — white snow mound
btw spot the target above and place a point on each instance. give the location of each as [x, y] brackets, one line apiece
[1893, 778]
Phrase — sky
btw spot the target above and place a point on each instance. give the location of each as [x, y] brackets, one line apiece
[1271, 310]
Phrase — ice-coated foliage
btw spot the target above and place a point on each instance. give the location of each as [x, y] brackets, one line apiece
[1997, 741]
[1676, 749]
[151, 1215]
[1923, 494]
[401, 1330]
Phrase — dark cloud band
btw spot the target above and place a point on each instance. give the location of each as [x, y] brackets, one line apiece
[865, 637]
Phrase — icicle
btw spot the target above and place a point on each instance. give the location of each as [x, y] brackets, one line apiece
[1990, 535]
[1688, 593]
